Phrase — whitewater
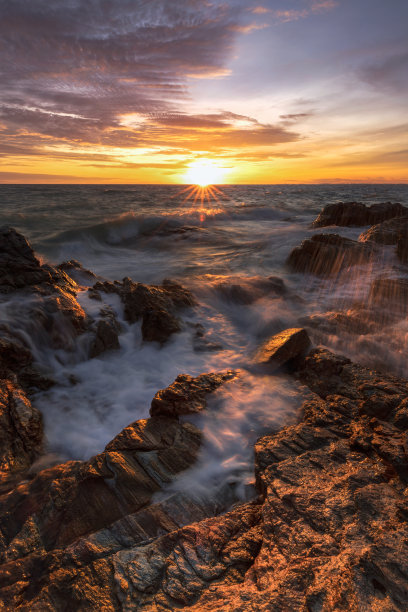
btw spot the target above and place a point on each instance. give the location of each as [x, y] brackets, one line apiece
[230, 251]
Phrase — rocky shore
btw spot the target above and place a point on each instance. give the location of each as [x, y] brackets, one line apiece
[326, 526]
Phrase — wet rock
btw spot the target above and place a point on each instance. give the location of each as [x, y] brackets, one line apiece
[402, 248]
[77, 272]
[328, 255]
[187, 394]
[107, 334]
[358, 214]
[246, 291]
[328, 532]
[48, 294]
[16, 360]
[359, 321]
[156, 305]
[388, 232]
[390, 294]
[282, 348]
[20, 431]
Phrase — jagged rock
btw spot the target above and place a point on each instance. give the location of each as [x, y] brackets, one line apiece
[188, 395]
[328, 255]
[283, 347]
[156, 305]
[16, 360]
[329, 531]
[358, 214]
[388, 232]
[107, 334]
[52, 302]
[77, 272]
[390, 294]
[20, 430]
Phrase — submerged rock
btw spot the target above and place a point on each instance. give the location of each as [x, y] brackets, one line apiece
[328, 255]
[283, 347]
[358, 214]
[246, 291]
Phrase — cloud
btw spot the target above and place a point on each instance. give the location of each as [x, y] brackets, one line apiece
[390, 73]
[315, 7]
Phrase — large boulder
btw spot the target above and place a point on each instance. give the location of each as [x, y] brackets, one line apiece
[358, 214]
[282, 348]
[328, 255]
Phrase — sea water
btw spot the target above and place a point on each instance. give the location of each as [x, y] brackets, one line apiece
[222, 244]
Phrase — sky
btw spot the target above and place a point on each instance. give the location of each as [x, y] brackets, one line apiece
[273, 91]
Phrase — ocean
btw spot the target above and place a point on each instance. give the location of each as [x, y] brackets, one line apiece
[224, 246]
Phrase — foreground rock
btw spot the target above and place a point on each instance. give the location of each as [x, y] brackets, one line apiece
[21, 432]
[358, 214]
[328, 255]
[155, 305]
[328, 532]
[282, 348]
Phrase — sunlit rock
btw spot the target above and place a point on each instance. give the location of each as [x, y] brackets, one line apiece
[388, 232]
[188, 394]
[282, 347]
[358, 214]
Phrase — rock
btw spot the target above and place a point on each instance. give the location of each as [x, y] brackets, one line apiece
[156, 305]
[329, 530]
[107, 334]
[358, 214]
[328, 255]
[246, 291]
[390, 294]
[188, 395]
[16, 360]
[48, 295]
[388, 232]
[20, 431]
[402, 248]
[283, 347]
[77, 272]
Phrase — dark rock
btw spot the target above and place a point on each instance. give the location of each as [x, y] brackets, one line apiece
[188, 395]
[390, 294]
[282, 348]
[328, 255]
[388, 232]
[16, 360]
[402, 248]
[107, 334]
[358, 214]
[245, 291]
[77, 272]
[156, 305]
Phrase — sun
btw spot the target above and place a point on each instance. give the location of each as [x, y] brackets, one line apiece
[204, 172]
